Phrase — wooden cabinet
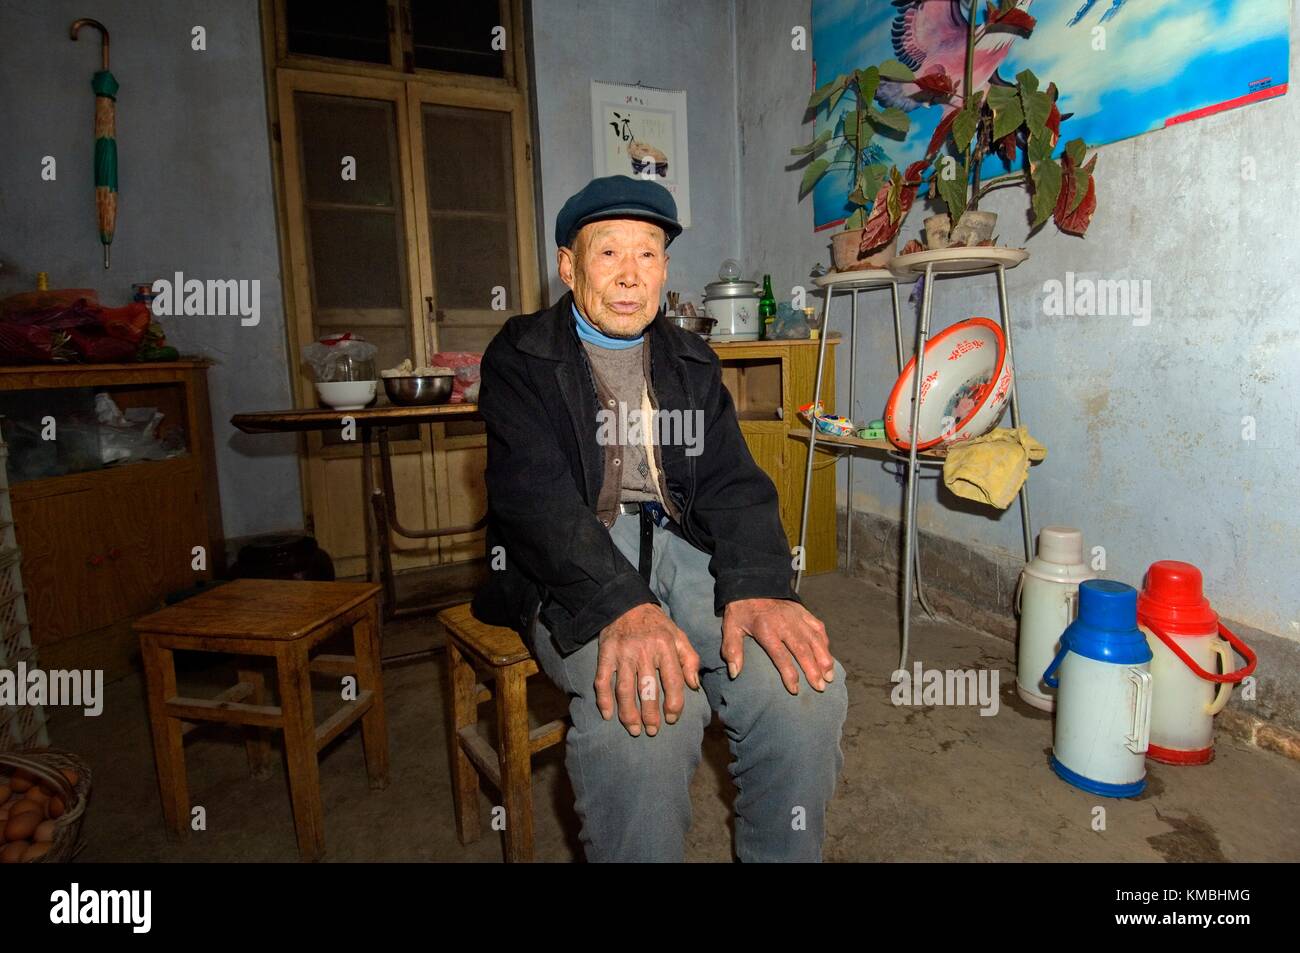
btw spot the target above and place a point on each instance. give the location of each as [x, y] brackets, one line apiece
[769, 381]
[103, 545]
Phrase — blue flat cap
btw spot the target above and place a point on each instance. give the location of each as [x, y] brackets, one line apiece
[617, 196]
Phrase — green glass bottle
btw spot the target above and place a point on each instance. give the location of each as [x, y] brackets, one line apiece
[766, 310]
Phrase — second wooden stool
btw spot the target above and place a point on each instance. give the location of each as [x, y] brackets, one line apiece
[504, 658]
[283, 620]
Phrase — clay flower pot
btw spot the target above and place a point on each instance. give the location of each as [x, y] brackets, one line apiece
[937, 228]
[972, 228]
[844, 252]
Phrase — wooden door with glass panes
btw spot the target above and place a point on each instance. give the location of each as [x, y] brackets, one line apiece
[408, 219]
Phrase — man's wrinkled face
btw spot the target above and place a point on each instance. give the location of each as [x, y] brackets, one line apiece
[617, 269]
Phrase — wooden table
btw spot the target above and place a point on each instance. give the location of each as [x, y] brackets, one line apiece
[380, 501]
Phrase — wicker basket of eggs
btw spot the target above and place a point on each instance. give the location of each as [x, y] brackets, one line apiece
[43, 794]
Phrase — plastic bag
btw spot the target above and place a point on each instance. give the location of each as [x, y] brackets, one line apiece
[789, 324]
[129, 435]
[464, 388]
[325, 356]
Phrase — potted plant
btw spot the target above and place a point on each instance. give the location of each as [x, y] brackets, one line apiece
[1003, 119]
[1007, 120]
[879, 195]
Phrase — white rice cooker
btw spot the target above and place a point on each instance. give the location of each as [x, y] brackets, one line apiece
[733, 303]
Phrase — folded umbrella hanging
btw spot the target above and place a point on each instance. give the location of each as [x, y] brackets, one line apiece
[105, 87]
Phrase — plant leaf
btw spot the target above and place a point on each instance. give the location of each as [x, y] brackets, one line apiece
[1006, 148]
[1082, 176]
[963, 128]
[1007, 119]
[812, 146]
[896, 72]
[1076, 149]
[855, 220]
[851, 129]
[892, 118]
[1039, 149]
[868, 82]
[1053, 123]
[940, 133]
[953, 192]
[889, 209]
[812, 175]
[1045, 178]
[1074, 217]
[869, 179]
[843, 154]
[820, 96]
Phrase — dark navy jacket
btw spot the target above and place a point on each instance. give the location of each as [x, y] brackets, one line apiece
[545, 468]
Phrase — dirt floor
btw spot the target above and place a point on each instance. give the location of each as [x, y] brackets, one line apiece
[919, 783]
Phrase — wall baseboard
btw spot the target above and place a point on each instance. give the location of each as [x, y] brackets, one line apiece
[975, 586]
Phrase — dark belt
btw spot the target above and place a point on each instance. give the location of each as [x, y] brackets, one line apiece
[651, 514]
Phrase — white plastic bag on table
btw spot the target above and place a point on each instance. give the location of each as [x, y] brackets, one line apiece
[325, 356]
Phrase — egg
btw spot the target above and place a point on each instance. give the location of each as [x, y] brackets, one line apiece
[27, 807]
[20, 784]
[70, 775]
[36, 850]
[44, 833]
[37, 794]
[13, 853]
[4, 792]
[22, 826]
[56, 808]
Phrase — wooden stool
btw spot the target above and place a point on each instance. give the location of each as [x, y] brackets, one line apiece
[278, 619]
[508, 766]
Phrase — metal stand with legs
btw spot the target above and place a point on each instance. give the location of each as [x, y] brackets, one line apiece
[952, 262]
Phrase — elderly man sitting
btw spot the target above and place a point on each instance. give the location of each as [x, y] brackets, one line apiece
[644, 558]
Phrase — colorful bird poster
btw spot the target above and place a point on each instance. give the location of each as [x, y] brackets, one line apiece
[1124, 67]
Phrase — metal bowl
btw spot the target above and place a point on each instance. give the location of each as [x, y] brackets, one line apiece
[417, 391]
[699, 325]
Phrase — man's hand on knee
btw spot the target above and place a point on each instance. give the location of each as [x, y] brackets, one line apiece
[787, 632]
[643, 648]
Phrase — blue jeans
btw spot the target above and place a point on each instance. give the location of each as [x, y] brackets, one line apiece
[633, 793]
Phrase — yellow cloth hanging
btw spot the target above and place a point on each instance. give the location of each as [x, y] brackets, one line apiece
[991, 469]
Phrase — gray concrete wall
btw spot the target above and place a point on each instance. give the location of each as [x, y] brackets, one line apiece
[1144, 424]
[195, 196]
[669, 44]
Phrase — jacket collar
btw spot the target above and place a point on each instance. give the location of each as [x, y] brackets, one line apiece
[552, 336]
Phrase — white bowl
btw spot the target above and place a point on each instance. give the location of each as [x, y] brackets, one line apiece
[346, 395]
[965, 391]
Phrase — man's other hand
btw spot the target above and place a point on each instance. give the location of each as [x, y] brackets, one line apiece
[644, 649]
[787, 631]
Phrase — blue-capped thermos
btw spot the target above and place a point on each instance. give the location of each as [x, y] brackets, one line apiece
[1102, 677]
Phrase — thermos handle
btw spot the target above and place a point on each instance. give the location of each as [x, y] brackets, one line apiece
[1072, 603]
[1049, 679]
[1224, 691]
[1020, 588]
[1139, 738]
[1236, 643]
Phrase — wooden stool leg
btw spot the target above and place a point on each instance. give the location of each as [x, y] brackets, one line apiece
[462, 703]
[257, 740]
[294, 678]
[374, 724]
[168, 748]
[515, 759]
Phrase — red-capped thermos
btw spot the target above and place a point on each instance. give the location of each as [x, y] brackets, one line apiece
[1192, 668]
